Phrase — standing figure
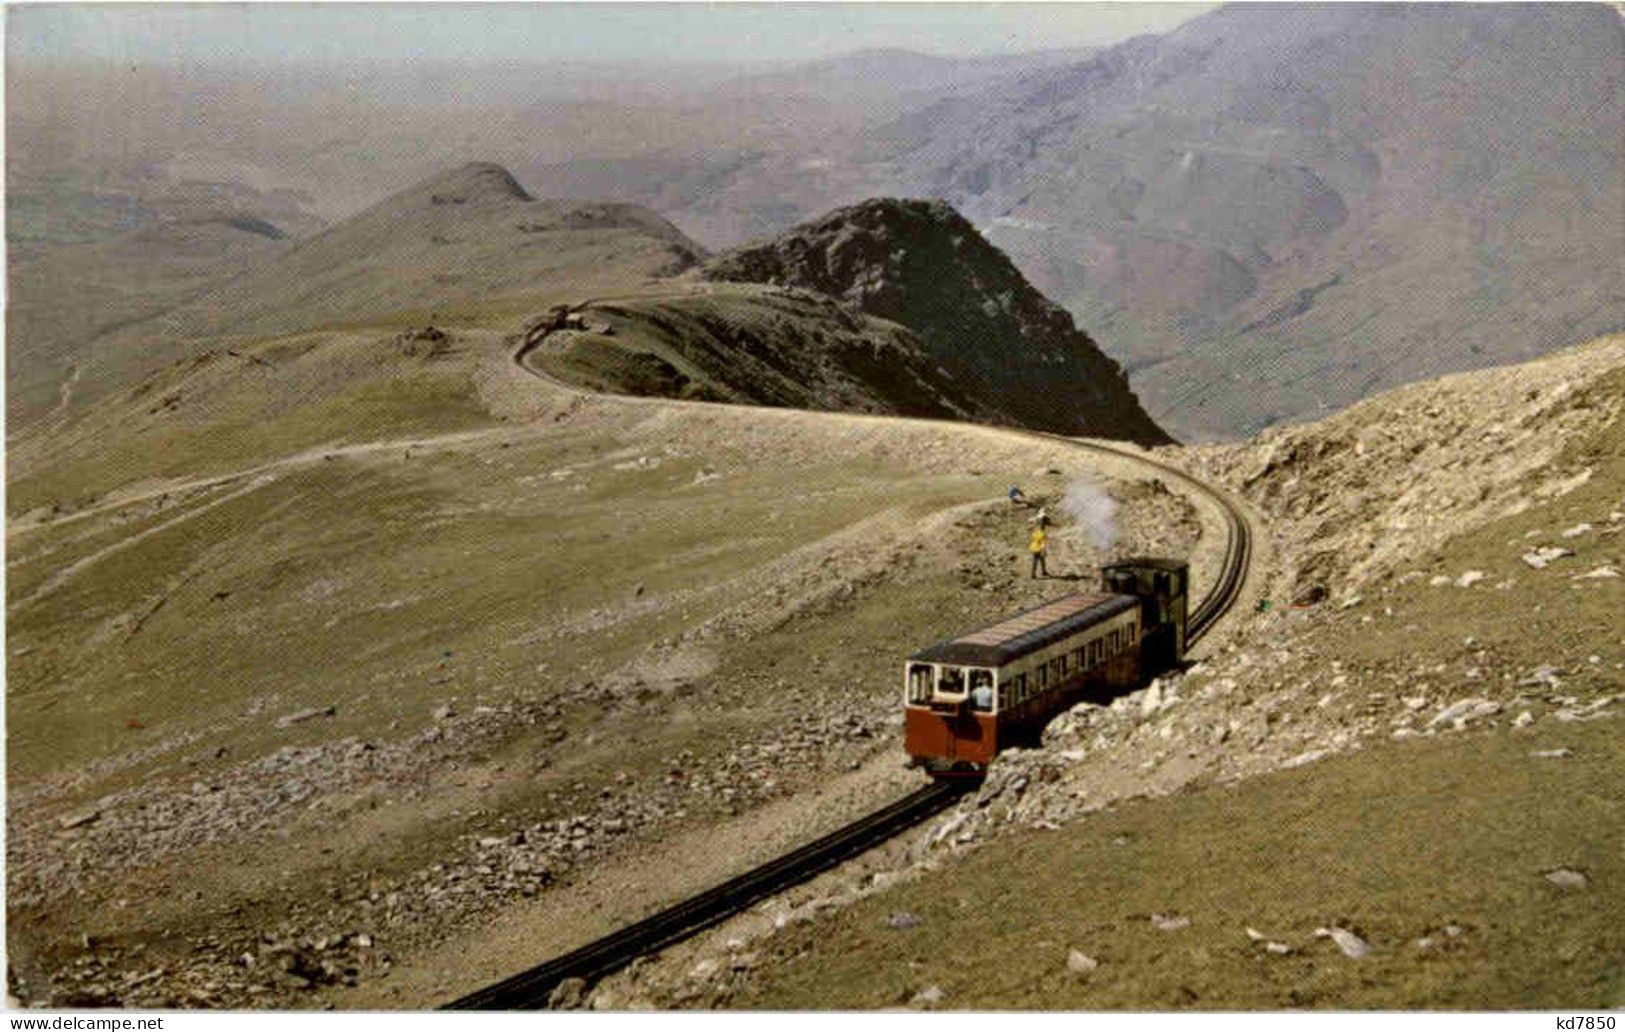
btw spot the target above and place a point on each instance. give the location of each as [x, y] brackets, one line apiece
[1036, 546]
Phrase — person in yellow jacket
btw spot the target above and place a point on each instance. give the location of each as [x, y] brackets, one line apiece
[1036, 547]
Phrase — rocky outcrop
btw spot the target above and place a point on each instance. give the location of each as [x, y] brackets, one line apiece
[921, 264]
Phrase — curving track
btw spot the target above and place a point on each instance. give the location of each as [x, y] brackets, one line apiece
[533, 988]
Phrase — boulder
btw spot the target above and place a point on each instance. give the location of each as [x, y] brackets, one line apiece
[1352, 945]
[1542, 557]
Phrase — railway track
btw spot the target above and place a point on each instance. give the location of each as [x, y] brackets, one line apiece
[530, 989]
[533, 988]
[1238, 545]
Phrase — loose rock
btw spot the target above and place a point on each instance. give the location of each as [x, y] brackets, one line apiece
[307, 714]
[1465, 710]
[567, 995]
[1352, 945]
[1543, 557]
[78, 820]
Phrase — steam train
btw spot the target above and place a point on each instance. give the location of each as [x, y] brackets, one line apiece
[966, 698]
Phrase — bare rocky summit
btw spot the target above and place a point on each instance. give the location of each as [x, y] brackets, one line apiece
[922, 265]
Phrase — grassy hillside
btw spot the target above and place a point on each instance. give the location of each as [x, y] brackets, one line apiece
[1435, 854]
[767, 346]
[469, 244]
[343, 631]
[57, 304]
[237, 405]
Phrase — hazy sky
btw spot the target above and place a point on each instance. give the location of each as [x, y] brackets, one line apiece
[271, 33]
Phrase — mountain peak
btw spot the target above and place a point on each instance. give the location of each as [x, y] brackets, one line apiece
[474, 183]
[923, 265]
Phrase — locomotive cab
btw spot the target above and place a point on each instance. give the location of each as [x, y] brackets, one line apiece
[1161, 585]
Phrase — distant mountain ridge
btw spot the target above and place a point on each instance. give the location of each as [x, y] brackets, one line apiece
[60, 303]
[469, 236]
[1277, 209]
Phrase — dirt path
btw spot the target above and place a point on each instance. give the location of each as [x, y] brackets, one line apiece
[67, 573]
[1107, 459]
[1112, 459]
[120, 499]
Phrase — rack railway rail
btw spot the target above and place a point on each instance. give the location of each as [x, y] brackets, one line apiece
[596, 959]
[533, 988]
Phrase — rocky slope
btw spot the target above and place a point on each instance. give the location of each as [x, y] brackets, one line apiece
[922, 265]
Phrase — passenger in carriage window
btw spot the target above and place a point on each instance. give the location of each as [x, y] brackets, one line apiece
[981, 693]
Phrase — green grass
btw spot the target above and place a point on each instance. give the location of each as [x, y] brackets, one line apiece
[346, 582]
[1395, 843]
[785, 348]
[418, 401]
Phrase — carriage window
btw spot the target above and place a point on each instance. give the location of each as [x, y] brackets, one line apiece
[952, 682]
[981, 690]
[1043, 676]
[919, 682]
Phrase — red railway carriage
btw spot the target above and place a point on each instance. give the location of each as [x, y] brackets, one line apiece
[966, 698]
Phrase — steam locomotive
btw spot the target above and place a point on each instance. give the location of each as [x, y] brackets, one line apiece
[967, 697]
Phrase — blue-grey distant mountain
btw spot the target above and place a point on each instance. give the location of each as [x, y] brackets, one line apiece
[1278, 209]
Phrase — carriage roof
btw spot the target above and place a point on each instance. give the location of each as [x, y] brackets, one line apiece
[1028, 632]
[1152, 562]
